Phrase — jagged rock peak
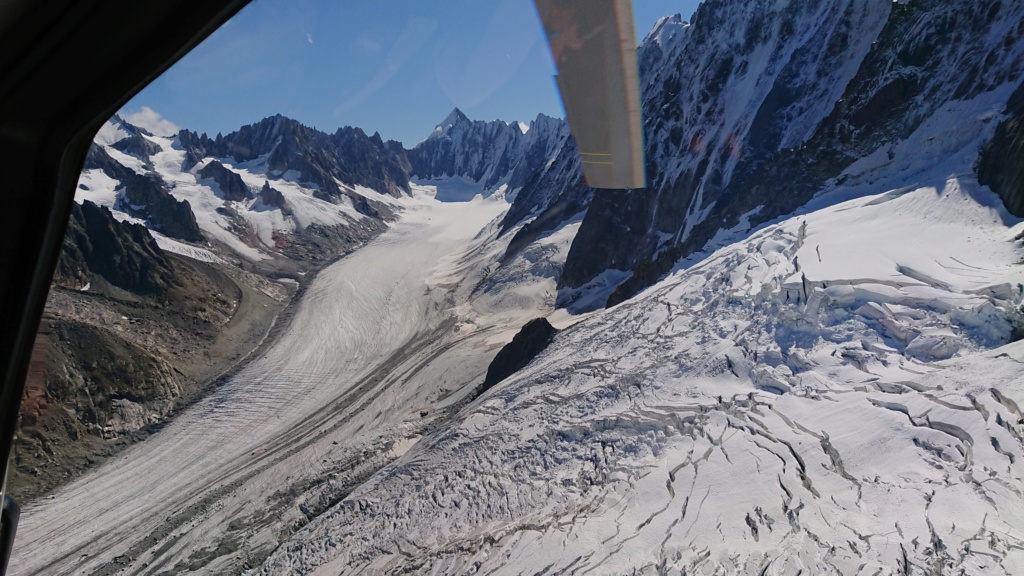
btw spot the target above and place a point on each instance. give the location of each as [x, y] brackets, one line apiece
[273, 198]
[542, 126]
[117, 129]
[231, 184]
[348, 156]
[453, 118]
[122, 253]
[484, 152]
[132, 129]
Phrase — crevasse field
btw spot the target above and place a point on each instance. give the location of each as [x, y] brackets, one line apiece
[825, 395]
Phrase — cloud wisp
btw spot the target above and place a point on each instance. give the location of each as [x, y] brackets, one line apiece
[152, 121]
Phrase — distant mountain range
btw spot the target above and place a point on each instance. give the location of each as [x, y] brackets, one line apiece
[748, 113]
[278, 190]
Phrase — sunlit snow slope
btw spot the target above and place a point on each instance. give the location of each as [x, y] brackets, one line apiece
[832, 393]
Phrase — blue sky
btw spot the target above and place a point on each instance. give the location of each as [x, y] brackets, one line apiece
[393, 66]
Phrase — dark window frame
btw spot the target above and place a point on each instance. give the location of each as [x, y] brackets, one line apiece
[65, 67]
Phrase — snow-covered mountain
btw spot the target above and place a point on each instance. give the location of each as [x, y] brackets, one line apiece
[275, 194]
[754, 106]
[535, 167]
[348, 156]
[813, 366]
[491, 154]
[278, 189]
[750, 111]
[483, 152]
[548, 185]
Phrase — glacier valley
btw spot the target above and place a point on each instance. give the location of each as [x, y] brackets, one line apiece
[799, 352]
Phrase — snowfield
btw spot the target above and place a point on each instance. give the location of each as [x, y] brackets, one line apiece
[828, 395]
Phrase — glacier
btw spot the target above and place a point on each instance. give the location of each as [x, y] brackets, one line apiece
[827, 380]
[831, 394]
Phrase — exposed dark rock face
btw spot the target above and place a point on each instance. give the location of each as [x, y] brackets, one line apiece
[484, 152]
[90, 384]
[72, 270]
[98, 159]
[194, 146]
[273, 198]
[1001, 165]
[370, 161]
[145, 197]
[113, 370]
[123, 254]
[531, 340]
[317, 158]
[136, 145]
[752, 108]
[231, 184]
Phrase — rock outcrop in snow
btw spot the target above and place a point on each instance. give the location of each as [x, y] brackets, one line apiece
[530, 341]
[1000, 166]
[229, 183]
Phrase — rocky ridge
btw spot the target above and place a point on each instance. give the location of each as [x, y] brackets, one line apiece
[999, 166]
[323, 160]
[131, 334]
[812, 88]
[96, 246]
[484, 152]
